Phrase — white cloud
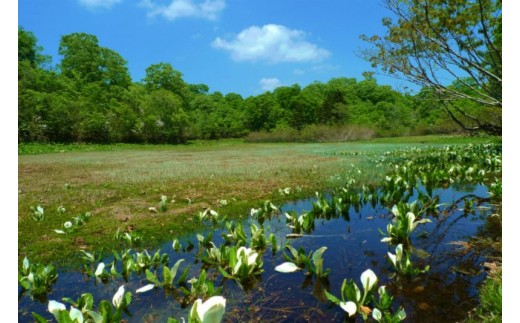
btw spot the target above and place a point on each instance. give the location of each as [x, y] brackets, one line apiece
[92, 4]
[207, 9]
[271, 43]
[269, 84]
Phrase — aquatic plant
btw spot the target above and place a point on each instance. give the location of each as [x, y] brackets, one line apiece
[36, 278]
[265, 211]
[205, 241]
[200, 287]
[210, 311]
[176, 245]
[143, 259]
[322, 208]
[353, 301]
[235, 235]
[402, 263]
[313, 262]
[403, 224]
[303, 223]
[258, 239]
[243, 264]
[168, 275]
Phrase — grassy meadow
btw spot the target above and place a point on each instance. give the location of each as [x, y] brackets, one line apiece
[119, 183]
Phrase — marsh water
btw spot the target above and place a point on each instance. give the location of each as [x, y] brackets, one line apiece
[445, 293]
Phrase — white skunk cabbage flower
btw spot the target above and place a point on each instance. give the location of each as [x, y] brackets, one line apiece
[287, 267]
[349, 307]
[55, 307]
[99, 269]
[211, 311]
[75, 315]
[145, 288]
[377, 315]
[118, 296]
[368, 279]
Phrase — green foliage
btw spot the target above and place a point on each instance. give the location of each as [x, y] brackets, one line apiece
[402, 263]
[91, 98]
[403, 224]
[129, 238]
[353, 301]
[423, 37]
[38, 213]
[313, 262]
[265, 211]
[490, 307]
[243, 264]
[200, 287]
[168, 275]
[36, 278]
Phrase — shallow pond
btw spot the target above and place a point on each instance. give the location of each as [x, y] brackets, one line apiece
[445, 293]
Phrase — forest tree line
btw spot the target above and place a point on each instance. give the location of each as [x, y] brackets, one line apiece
[89, 96]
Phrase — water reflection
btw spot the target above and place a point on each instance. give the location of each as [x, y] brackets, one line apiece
[353, 244]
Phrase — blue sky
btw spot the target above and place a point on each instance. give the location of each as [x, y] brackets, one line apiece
[238, 46]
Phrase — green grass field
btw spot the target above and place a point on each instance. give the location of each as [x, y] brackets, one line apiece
[119, 183]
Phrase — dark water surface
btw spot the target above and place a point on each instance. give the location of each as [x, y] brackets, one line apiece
[443, 294]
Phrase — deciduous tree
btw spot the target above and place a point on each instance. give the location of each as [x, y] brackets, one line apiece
[452, 48]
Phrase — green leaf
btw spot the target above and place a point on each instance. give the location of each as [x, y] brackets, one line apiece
[332, 298]
[38, 318]
[98, 318]
[152, 277]
[224, 273]
[175, 268]
[182, 278]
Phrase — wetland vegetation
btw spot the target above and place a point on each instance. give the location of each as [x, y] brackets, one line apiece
[423, 217]
[343, 200]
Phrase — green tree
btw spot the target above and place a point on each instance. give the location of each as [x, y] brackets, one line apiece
[164, 76]
[28, 49]
[81, 57]
[436, 43]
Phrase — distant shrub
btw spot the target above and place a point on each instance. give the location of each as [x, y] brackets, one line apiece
[313, 133]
